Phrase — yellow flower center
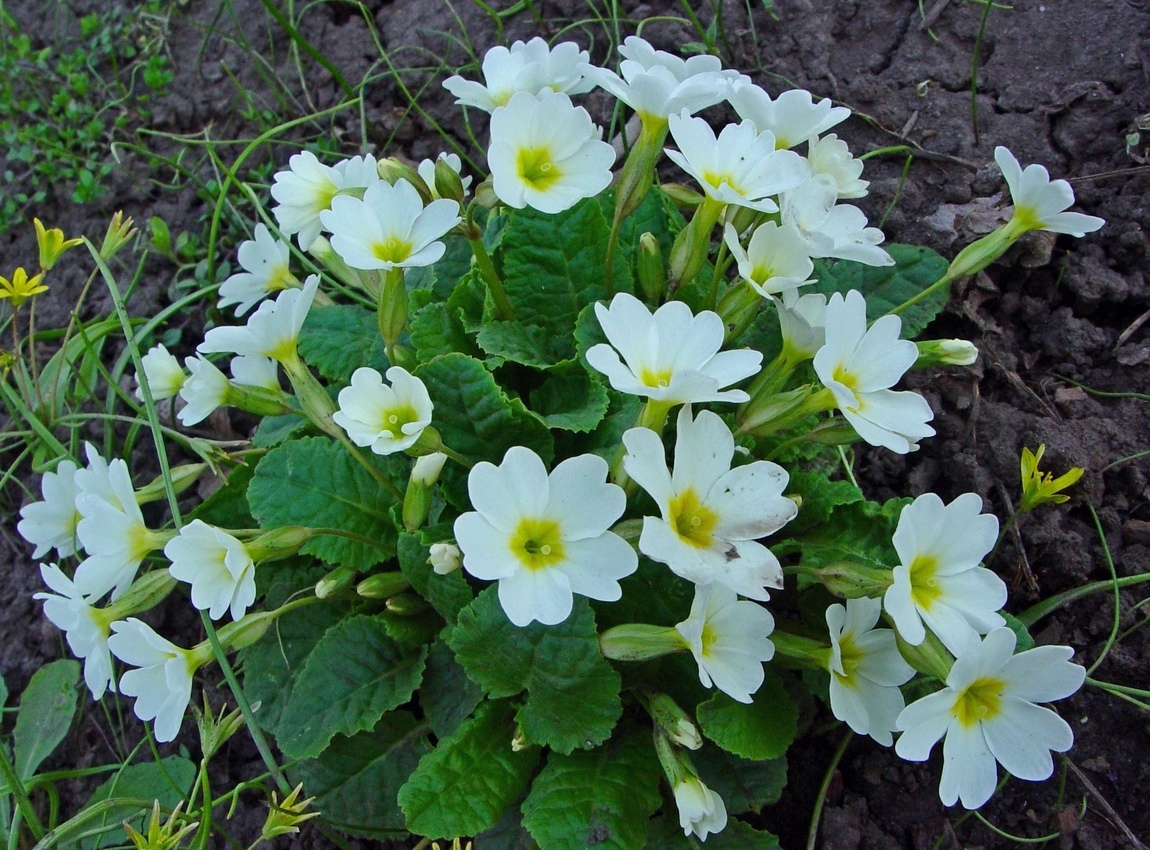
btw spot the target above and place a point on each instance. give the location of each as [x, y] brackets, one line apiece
[692, 521]
[537, 543]
[391, 250]
[707, 639]
[850, 656]
[924, 586]
[845, 377]
[650, 378]
[393, 419]
[535, 167]
[980, 700]
[761, 274]
[716, 179]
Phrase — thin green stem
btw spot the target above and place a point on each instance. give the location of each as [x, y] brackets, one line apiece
[1039, 610]
[20, 794]
[1115, 625]
[503, 308]
[820, 800]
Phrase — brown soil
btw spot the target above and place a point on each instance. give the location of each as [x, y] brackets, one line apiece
[1059, 83]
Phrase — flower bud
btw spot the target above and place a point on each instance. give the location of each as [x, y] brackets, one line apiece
[146, 592]
[392, 307]
[675, 723]
[652, 270]
[929, 657]
[243, 632]
[335, 582]
[485, 195]
[279, 543]
[981, 253]
[833, 432]
[638, 642]
[420, 489]
[853, 581]
[683, 197]
[406, 605]
[120, 232]
[393, 170]
[448, 183]
[445, 558]
[382, 585]
[945, 352]
[183, 477]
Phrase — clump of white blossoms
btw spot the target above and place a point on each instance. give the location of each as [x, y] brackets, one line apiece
[387, 417]
[775, 260]
[791, 118]
[162, 682]
[217, 566]
[266, 269]
[730, 639]
[529, 67]
[546, 153]
[670, 356]
[544, 537]
[163, 373]
[989, 715]
[712, 516]
[938, 580]
[859, 365]
[271, 331]
[308, 187]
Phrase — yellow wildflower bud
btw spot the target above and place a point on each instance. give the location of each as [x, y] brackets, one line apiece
[120, 231]
[161, 836]
[21, 287]
[284, 818]
[1038, 488]
[52, 244]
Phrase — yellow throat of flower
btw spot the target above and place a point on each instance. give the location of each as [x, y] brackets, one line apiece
[693, 521]
[537, 543]
[924, 586]
[391, 250]
[535, 167]
[980, 700]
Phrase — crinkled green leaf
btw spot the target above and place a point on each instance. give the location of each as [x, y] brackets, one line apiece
[46, 710]
[227, 507]
[530, 345]
[356, 780]
[572, 691]
[886, 287]
[339, 338]
[745, 785]
[442, 277]
[762, 730]
[315, 482]
[575, 402]
[447, 695]
[820, 497]
[168, 780]
[436, 329]
[464, 784]
[354, 674]
[553, 266]
[859, 533]
[447, 594]
[596, 798]
[474, 416]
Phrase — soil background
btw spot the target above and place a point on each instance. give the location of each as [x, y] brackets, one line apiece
[1065, 84]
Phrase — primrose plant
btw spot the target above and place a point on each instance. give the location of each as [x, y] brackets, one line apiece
[547, 494]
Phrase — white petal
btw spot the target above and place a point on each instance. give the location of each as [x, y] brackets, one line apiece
[969, 771]
[1022, 735]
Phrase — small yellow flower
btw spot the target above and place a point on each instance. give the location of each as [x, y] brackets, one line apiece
[21, 287]
[52, 244]
[120, 231]
[1038, 488]
[161, 837]
[284, 818]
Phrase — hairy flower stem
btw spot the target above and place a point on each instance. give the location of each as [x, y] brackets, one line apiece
[503, 309]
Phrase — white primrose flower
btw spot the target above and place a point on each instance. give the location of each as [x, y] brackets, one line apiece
[658, 84]
[729, 638]
[1039, 202]
[426, 172]
[524, 67]
[988, 713]
[831, 156]
[859, 365]
[163, 373]
[205, 389]
[271, 331]
[217, 566]
[307, 189]
[802, 322]
[775, 259]
[389, 227]
[386, 418]
[712, 515]
[701, 810]
[111, 528]
[254, 370]
[162, 685]
[51, 523]
[670, 356]
[831, 229]
[265, 262]
[866, 670]
[740, 166]
[793, 117]
[544, 537]
[546, 153]
[85, 626]
[938, 581]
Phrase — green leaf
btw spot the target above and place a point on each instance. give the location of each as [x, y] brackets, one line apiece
[530, 345]
[447, 594]
[553, 266]
[46, 709]
[762, 730]
[354, 674]
[228, 506]
[338, 339]
[744, 785]
[887, 287]
[860, 533]
[666, 834]
[436, 330]
[572, 691]
[474, 416]
[1024, 641]
[272, 664]
[597, 798]
[315, 482]
[820, 497]
[464, 784]
[168, 780]
[356, 780]
[575, 402]
[447, 695]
